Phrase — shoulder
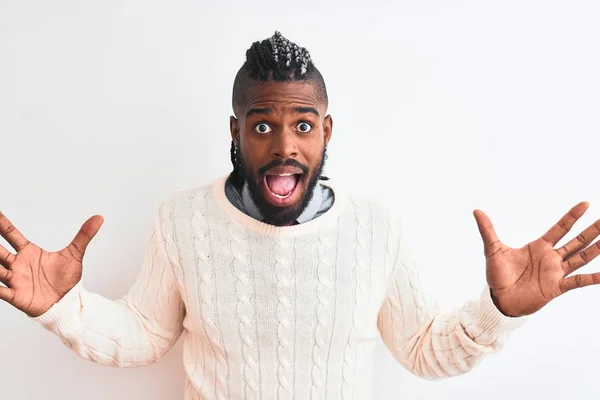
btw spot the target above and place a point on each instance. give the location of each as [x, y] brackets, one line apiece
[365, 207]
[189, 200]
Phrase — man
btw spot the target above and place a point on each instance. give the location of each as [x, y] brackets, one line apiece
[279, 281]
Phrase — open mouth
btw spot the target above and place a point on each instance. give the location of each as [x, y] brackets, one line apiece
[282, 185]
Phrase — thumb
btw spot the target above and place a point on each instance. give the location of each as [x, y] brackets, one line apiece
[86, 233]
[486, 229]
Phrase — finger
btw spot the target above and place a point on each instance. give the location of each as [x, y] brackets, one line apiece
[85, 235]
[564, 225]
[12, 234]
[6, 257]
[487, 231]
[7, 294]
[581, 241]
[582, 258]
[5, 275]
[578, 281]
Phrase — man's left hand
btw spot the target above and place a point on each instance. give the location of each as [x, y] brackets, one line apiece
[524, 280]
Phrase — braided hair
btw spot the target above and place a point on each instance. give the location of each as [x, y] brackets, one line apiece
[273, 59]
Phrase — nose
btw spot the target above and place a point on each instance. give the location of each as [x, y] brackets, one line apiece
[284, 145]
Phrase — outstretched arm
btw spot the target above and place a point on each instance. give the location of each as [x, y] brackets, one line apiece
[520, 281]
[427, 342]
[134, 330]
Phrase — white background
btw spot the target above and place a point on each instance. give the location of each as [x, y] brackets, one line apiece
[439, 107]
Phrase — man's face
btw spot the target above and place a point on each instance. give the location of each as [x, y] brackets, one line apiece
[281, 133]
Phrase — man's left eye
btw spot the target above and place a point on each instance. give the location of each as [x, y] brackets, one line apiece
[304, 127]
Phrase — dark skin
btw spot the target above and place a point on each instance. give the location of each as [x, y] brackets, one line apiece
[280, 121]
[522, 280]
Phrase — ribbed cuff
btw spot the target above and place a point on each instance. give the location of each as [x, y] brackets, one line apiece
[56, 319]
[492, 320]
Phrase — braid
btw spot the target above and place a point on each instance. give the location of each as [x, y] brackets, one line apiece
[276, 59]
[288, 50]
[236, 177]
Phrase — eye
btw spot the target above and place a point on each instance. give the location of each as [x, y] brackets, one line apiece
[304, 127]
[262, 128]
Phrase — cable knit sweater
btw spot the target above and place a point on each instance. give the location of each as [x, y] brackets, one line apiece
[272, 312]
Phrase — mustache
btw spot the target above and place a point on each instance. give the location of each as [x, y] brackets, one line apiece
[283, 163]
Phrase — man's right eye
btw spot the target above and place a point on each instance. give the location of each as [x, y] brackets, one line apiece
[262, 128]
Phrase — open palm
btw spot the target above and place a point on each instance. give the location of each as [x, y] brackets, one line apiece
[523, 280]
[35, 279]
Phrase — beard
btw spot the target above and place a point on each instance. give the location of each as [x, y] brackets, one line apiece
[275, 215]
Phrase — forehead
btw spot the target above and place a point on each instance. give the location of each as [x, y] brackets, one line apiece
[281, 95]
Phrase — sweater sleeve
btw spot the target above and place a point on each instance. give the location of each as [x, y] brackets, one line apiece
[134, 330]
[428, 342]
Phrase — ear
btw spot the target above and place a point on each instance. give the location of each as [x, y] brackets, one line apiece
[234, 128]
[327, 128]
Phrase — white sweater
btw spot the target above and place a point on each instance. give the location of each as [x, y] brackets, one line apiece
[272, 312]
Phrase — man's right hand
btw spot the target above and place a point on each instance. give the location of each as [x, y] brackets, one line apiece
[36, 279]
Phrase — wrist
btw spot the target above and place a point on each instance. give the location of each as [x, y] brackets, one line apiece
[498, 305]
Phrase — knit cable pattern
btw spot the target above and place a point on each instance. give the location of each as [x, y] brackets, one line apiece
[324, 324]
[205, 287]
[408, 263]
[390, 259]
[285, 351]
[363, 276]
[361, 271]
[245, 310]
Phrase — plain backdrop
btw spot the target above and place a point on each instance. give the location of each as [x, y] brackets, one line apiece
[439, 107]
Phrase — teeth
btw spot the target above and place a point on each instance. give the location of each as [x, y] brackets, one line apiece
[282, 197]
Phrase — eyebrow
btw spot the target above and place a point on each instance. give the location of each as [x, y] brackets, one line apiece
[297, 110]
[260, 111]
[306, 110]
